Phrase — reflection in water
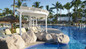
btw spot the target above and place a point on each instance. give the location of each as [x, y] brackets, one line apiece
[63, 47]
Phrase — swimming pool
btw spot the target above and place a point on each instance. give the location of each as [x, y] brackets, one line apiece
[77, 39]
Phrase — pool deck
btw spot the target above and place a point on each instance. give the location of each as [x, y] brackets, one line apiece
[31, 44]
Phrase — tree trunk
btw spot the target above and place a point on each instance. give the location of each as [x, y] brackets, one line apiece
[14, 7]
[69, 16]
[60, 16]
[57, 16]
[76, 18]
[12, 27]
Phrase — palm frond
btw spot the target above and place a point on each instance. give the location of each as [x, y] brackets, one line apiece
[52, 7]
[41, 7]
[53, 4]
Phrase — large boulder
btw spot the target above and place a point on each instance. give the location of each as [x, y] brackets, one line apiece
[40, 36]
[47, 37]
[29, 37]
[54, 36]
[32, 35]
[7, 43]
[12, 42]
[61, 38]
[18, 41]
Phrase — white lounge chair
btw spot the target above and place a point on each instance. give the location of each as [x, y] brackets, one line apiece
[22, 29]
[34, 29]
[2, 33]
[8, 32]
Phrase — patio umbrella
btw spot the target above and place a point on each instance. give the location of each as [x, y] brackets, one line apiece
[9, 19]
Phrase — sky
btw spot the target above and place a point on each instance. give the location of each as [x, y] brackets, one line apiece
[8, 3]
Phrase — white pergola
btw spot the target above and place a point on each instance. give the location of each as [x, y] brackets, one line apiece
[33, 14]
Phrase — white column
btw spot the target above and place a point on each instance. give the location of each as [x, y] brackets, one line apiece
[20, 23]
[46, 24]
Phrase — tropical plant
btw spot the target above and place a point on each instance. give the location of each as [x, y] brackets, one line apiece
[6, 11]
[10, 12]
[61, 8]
[57, 6]
[24, 4]
[37, 5]
[84, 2]
[83, 7]
[17, 5]
[68, 7]
[79, 14]
[0, 12]
[50, 11]
[14, 7]
[0, 9]
[76, 4]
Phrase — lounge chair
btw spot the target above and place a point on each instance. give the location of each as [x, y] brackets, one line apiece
[2, 33]
[34, 29]
[22, 29]
[40, 29]
[8, 32]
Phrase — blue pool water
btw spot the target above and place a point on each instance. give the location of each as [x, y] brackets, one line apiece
[77, 39]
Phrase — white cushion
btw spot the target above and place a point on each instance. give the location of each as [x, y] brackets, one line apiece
[17, 30]
[22, 29]
[7, 31]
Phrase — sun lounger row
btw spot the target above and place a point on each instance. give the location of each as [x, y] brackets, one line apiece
[8, 32]
[23, 30]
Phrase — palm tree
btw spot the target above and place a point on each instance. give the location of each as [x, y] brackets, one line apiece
[10, 12]
[6, 11]
[75, 4]
[61, 8]
[84, 2]
[68, 7]
[80, 14]
[24, 4]
[37, 5]
[14, 7]
[50, 13]
[83, 7]
[57, 6]
[85, 12]
[0, 9]
[0, 12]
[18, 4]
